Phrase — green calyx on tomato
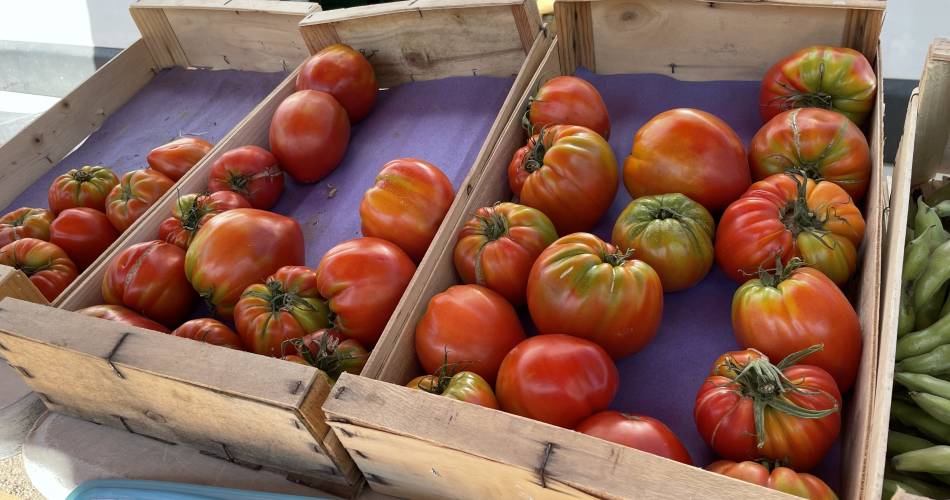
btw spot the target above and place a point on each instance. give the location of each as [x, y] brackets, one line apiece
[534, 160]
[796, 215]
[280, 299]
[616, 259]
[494, 226]
[772, 277]
[80, 175]
[817, 99]
[326, 353]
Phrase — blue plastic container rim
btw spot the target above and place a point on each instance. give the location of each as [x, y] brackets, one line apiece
[134, 489]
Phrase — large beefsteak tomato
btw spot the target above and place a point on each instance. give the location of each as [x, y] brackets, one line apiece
[192, 211]
[123, 314]
[636, 431]
[138, 190]
[47, 265]
[84, 233]
[780, 478]
[569, 100]
[343, 73]
[210, 331]
[250, 171]
[81, 187]
[25, 223]
[149, 278]
[176, 158]
[309, 133]
[328, 350]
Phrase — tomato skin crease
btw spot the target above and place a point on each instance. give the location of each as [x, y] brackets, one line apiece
[25, 223]
[45, 264]
[82, 187]
[780, 478]
[149, 278]
[136, 192]
[176, 158]
[211, 331]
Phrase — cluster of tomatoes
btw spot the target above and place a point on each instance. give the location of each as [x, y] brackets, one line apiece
[790, 238]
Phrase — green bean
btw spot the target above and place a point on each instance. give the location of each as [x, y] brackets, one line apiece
[935, 406]
[924, 341]
[914, 417]
[942, 208]
[935, 459]
[923, 487]
[929, 313]
[945, 310]
[935, 275]
[915, 256]
[898, 442]
[906, 316]
[924, 383]
[932, 363]
[925, 218]
[891, 486]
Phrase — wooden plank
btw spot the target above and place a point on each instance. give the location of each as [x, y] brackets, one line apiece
[266, 6]
[159, 36]
[51, 136]
[933, 127]
[418, 7]
[576, 35]
[13, 283]
[863, 30]
[831, 4]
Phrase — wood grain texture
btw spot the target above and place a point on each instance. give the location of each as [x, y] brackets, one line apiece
[159, 36]
[268, 6]
[863, 30]
[13, 283]
[407, 6]
[933, 126]
[575, 31]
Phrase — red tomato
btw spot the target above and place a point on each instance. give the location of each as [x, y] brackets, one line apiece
[497, 247]
[820, 77]
[781, 479]
[691, 152]
[363, 280]
[407, 204]
[343, 73]
[176, 158]
[568, 100]
[250, 171]
[192, 211]
[329, 351]
[468, 326]
[463, 386]
[84, 233]
[587, 288]
[211, 331]
[749, 409]
[309, 133]
[567, 172]
[823, 144]
[558, 379]
[25, 223]
[138, 190]
[149, 278]
[47, 265]
[237, 249]
[81, 187]
[784, 215]
[123, 315]
[636, 431]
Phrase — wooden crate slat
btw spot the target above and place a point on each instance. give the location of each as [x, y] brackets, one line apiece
[159, 36]
[13, 283]
[933, 130]
[268, 6]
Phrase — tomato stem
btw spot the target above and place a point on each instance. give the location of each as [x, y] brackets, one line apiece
[534, 160]
[81, 176]
[772, 277]
[494, 225]
[618, 258]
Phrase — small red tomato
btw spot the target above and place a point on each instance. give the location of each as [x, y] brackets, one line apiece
[343, 73]
[25, 223]
[81, 187]
[47, 265]
[309, 133]
[568, 100]
[330, 351]
[138, 190]
[123, 315]
[176, 158]
[192, 211]
[211, 331]
[149, 278]
[636, 431]
[558, 379]
[463, 386]
[781, 479]
[250, 171]
[84, 233]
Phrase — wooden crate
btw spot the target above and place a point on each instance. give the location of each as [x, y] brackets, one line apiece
[414, 444]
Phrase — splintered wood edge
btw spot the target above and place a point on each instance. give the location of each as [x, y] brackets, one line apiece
[15, 284]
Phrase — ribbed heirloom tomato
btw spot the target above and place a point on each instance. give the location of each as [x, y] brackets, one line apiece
[250, 171]
[309, 133]
[137, 191]
[123, 314]
[569, 100]
[636, 431]
[47, 265]
[210, 331]
[81, 187]
[464, 386]
[25, 223]
[343, 73]
[781, 479]
[176, 158]
[192, 211]
[328, 350]
[83, 233]
[149, 278]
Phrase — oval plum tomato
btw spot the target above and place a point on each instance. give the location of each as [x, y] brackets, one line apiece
[210, 331]
[343, 73]
[691, 152]
[406, 205]
[791, 308]
[309, 133]
[363, 280]
[464, 386]
[237, 249]
[84, 233]
[823, 145]
[250, 171]
[122, 314]
[497, 247]
[558, 379]
[636, 431]
[81, 187]
[176, 158]
[833, 78]
[329, 351]
[138, 190]
[670, 232]
[47, 265]
[286, 306]
[149, 278]
[467, 326]
[567, 172]
[569, 100]
[790, 216]
[748, 409]
[584, 286]
[25, 223]
[781, 479]
[192, 211]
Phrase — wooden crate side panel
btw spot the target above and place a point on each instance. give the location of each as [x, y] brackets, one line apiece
[158, 34]
[933, 128]
[13, 283]
[266, 6]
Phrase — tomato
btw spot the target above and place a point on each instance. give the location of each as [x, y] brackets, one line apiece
[192, 211]
[81, 187]
[833, 78]
[749, 409]
[309, 133]
[587, 288]
[250, 171]
[670, 232]
[792, 217]
[211, 331]
[468, 326]
[176, 158]
[782, 479]
[149, 278]
[464, 386]
[567, 172]
[558, 379]
[286, 306]
[691, 152]
[138, 190]
[47, 265]
[497, 247]
[823, 145]
[237, 249]
[329, 351]
[343, 73]
[636, 431]
[362, 280]
[83, 233]
[25, 223]
[568, 100]
[407, 204]
[123, 315]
